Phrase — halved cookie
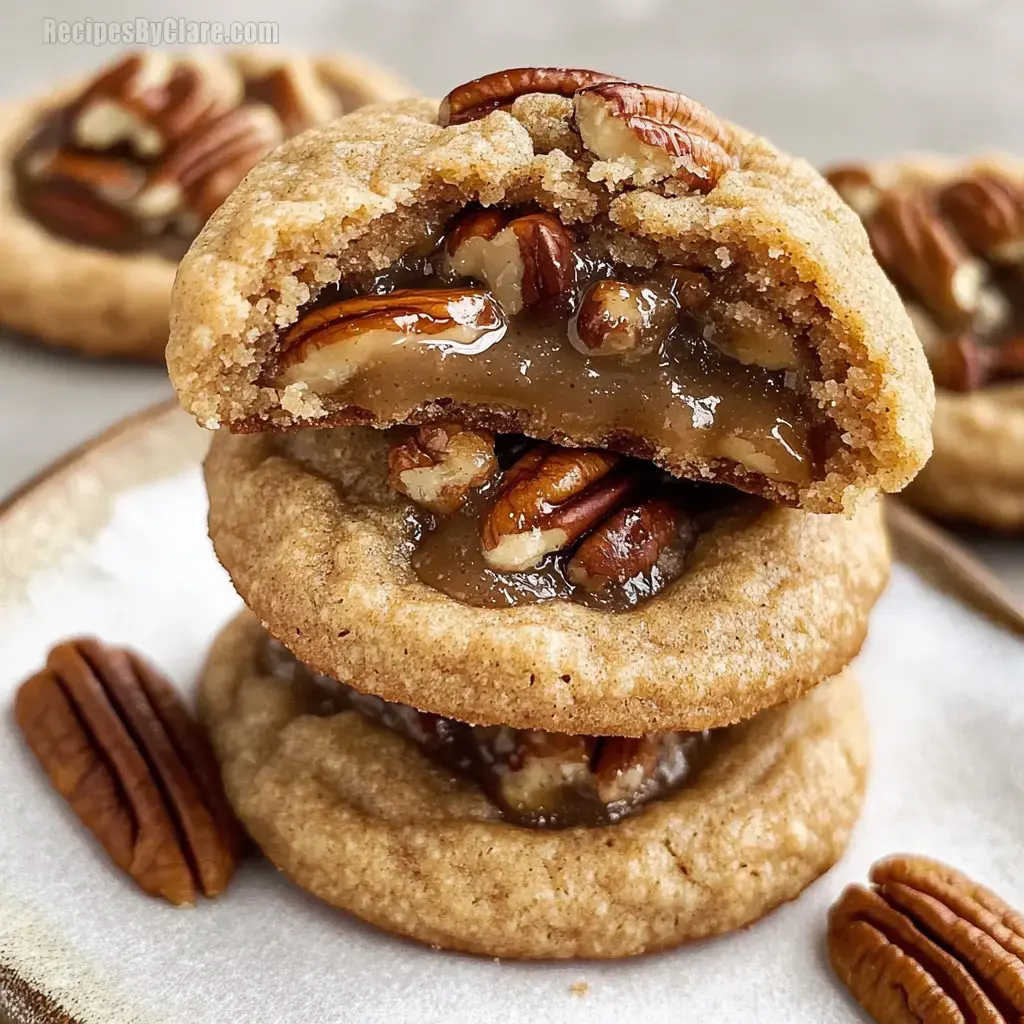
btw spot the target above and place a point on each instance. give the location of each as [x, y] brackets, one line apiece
[567, 256]
[106, 181]
[358, 815]
[756, 604]
[951, 235]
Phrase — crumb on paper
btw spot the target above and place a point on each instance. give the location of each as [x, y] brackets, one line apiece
[579, 988]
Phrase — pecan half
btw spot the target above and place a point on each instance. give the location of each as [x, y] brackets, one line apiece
[857, 187]
[119, 746]
[550, 498]
[620, 319]
[987, 212]
[440, 464]
[961, 364]
[498, 90]
[110, 178]
[82, 195]
[631, 542]
[150, 101]
[331, 344]
[204, 168]
[81, 216]
[622, 764]
[915, 246]
[471, 225]
[296, 91]
[543, 765]
[526, 262]
[928, 944]
[1009, 360]
[658, 133]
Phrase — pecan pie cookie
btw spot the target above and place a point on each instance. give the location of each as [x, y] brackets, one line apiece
[534, 404]
[951, 236]
[650, 604]
[529, 844]
[565, 255]
[106, 182]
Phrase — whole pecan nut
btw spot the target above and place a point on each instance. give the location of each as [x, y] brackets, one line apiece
[927, 944]
[498, 90]
[633, 541]
[549, 499]
[658, 132]
[117, 743]
[440, 463]
[526, 261]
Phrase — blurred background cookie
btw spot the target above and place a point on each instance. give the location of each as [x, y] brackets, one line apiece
[950, 233]
[541, 846]
[106, 182]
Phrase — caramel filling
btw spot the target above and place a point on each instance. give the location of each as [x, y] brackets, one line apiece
[629, 359]
[450, 555]
[536, 779]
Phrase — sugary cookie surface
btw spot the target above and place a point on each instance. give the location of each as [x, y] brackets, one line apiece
[565, 255]
[536, 779]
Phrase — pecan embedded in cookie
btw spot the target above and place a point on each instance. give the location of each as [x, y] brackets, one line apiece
[145, 152]
[953, 243]
[538, 779]
[661, 285]
[514, 522]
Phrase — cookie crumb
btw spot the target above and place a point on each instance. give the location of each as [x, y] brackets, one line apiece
[579, 988]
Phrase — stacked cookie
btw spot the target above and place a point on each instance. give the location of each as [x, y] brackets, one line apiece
[554, 419]
[950, 234]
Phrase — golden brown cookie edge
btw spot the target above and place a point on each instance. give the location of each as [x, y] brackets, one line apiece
[889, 386]
[766, 612]
[768, 818]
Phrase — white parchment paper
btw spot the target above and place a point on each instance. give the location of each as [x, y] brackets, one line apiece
[945, 695]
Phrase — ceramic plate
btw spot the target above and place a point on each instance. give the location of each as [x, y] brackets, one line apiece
[112, 542]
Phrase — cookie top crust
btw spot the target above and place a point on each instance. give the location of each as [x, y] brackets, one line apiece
[348, 202]
[770, 602]
[362, 819]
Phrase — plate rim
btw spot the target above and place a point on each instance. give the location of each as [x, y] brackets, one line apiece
[144, 417]
[15, 991]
